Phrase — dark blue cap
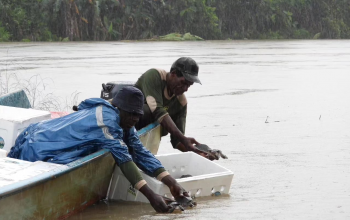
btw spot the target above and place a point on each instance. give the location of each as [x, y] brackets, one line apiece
[129, 99]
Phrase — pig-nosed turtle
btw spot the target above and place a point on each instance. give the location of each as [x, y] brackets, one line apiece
[182, 203]
[213, 152]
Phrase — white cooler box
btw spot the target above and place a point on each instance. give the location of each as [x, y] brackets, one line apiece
[208, 178]
[14, 120]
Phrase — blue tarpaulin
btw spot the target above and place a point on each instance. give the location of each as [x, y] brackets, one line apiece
[94, 126]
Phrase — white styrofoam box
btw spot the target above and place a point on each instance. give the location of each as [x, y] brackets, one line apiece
[3, 153]
[14, 170]
[207, 178]
[14, 120]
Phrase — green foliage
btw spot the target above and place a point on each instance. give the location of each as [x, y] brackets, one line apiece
[317, 36]
[54, 20]
[180, 37]
[190, 37]
[301, 34]
[4, 35]
[171, 37]
[271, 35]
[195, 16]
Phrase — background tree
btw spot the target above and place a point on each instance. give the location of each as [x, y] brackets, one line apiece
[57, 20]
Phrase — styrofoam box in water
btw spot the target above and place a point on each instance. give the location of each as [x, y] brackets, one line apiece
[14, 120]
[207, 178]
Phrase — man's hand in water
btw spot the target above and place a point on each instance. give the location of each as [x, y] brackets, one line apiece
[176, 190]
[161, 203]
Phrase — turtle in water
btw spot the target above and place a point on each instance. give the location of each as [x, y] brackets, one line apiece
[186, 201]
[182, 203]
[211, 153]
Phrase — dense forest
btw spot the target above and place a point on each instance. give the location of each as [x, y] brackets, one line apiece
[101, 20]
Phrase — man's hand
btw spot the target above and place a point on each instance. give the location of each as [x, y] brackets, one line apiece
[189, 144]
[178, 192]
[212, 154]
[186, 143]
[161, 203]
[201, 149]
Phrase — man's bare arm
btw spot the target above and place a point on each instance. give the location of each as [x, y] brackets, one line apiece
[186, 143]
[169, 125]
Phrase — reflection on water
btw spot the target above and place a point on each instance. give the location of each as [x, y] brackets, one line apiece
[135, 210]
[278, 109]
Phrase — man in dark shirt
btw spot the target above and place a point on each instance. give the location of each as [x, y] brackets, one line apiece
[166, 102]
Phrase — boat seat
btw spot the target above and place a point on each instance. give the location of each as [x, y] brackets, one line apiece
[15, 170]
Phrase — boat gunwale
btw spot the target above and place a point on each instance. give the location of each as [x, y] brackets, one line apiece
[148, 128]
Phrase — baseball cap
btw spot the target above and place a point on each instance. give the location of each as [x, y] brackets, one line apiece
[188, 67]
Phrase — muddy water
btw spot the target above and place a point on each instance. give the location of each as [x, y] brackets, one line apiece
[278, 109]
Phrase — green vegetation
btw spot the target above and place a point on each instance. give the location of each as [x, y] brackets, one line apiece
[178, 37]
[4, 35]
[80, 20]
[2, 144]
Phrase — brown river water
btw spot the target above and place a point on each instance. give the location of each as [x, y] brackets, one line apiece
[279, 110]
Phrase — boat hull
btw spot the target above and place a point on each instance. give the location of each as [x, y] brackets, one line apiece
[62, 194]
[150, 137]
